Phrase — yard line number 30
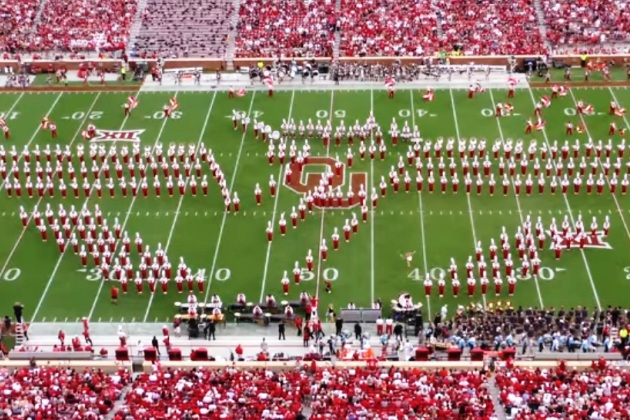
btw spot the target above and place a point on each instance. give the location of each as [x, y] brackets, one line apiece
[545, 273]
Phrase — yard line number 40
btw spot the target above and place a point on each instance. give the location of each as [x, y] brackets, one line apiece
[322, 114]
[545, 273]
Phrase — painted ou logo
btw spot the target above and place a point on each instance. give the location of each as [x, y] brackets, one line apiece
[597, 241]
[111, 135]
[302, 181]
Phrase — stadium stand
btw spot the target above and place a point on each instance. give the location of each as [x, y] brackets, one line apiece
[185, 29]
[574, 23]
[224, 394]
[562, 393]
[84, 25]
[388, 27]
[286, 28]
[18, 19]
[491, 27]
[396, 393]
[45, 392]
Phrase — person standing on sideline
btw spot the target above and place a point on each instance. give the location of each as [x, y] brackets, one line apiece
[264, 347]
[212, 329]
[156, 345]
[357, 331]
[18, 309]
[281, 328]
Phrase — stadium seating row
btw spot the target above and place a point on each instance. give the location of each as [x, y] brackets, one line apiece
[231, 392]
[310, 27]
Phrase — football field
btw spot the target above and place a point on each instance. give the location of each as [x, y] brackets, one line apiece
[232, 250]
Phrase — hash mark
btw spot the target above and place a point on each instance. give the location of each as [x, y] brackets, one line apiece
[489, 211]
[148, 213]
[215, 213]
[186, 214]
[510, 212]
[500, 212]
[157, 213]
[196, 213]
[133, 320]
[65, 319]
[205, 213]
[480, 212]
[111, 319]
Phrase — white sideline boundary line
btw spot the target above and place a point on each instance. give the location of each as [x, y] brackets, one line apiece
[421, 208]
[566, 201]
[224, 219]
[30, 217]
[470, 210]
[518, 201]
[275, 211]
[181, 199]
[323, 210]
[124, 223]
[60, 259]
[32, 139]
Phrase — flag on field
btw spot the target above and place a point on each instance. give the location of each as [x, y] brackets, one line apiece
[241, 92]
[540, 125]
[132, 101]
[429, 95]
[512, 81]
[173, 104]
[545, 101]
[589, 109]
[390, 82]
[562, 91]
[620, 112]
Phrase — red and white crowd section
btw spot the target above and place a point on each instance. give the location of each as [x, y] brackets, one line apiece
[558, 393]
[388, 28]
[584, 22]
[359, 392]
[270, 29]
[48, 393]
[307, 28]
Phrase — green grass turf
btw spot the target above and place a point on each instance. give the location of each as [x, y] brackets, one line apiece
[233, 248]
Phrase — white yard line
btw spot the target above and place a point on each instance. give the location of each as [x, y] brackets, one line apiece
[470, 210]
[273, 214]
[30, 217]
[179, 204]
[373, 213]
[37, 130]
[568, 205]
[84, 206]
[421, 208]
[518, 201]
[321, 227]
[223, 220]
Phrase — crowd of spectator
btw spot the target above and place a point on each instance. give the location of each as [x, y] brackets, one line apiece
[561, 393]
[84, 25]
[216, 394]
[47, 393]
[570, 23]
[397, 393]
[282, 28]
[307, 28]
[16, 25]
[388, 27]
[534, 330]
[491, 27]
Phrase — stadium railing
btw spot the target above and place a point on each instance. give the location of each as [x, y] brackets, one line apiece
[219, 64]
[113, 366]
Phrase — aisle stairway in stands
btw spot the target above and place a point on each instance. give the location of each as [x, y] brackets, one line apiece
[136, 24]
[121, 401]
[337, 33]
[542, 27]
[493, 391]
[230, 51]
[38, 15]
[439, 17]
